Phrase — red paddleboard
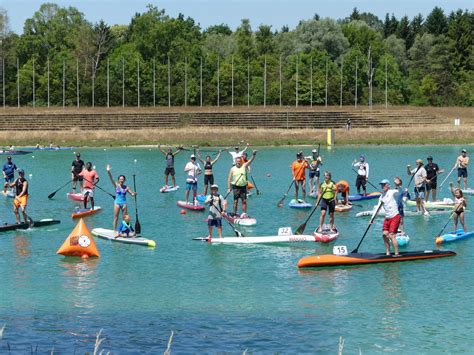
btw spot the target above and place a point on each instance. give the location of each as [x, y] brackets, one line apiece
[85, 212]
[326, 235]
[191, 207]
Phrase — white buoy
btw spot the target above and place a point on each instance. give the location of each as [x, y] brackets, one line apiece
[33, 156]
[105, 150]
[93, 167]
[135, 161]
[31, 176]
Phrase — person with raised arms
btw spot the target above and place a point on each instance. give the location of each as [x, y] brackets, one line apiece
[121, 190]
[389, 203]
[169, 158]
[460, 204]
[208, 164]
[193, 169]
[432, 172]
[21, 196]
[76, 168]
[314, 167]
[237, 181]
[91, 178]
[217, 206]
[8, 173]
[237, 153]
[403, 194]
[461, 163]
[419, 177]
[298, 170]
[327, 194]
[342, 187]
[362, 174]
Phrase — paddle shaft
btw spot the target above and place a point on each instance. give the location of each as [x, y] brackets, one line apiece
[301, 228]
[446, 178]
[138, 228]
[412, 176]
[51, 195]
[447, 222]
[237, 233]
[368, 227]
[254, 184]
[280, 203]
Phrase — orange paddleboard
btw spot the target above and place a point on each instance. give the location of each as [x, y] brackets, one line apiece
[79, 243]
[79, 213]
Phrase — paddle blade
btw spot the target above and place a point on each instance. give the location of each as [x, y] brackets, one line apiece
[301, 229]
[138, 227]
[280, 203]
[51, 195]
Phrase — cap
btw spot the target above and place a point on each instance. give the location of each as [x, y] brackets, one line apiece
[78, 154]
[429, 158]
[314, 151]
[384, 182]
[214, 186]
[193, 156]
[464, 151]
[419, 161]
[362, 157]
[9, 158]
[20, 171]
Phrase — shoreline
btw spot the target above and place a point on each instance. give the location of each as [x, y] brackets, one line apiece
[215, 137]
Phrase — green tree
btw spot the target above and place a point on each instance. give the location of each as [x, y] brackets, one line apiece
[436, 23]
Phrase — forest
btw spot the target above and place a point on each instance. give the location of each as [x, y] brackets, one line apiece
[62, 59]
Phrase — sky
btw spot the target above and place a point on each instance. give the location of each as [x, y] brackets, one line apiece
[211, 12]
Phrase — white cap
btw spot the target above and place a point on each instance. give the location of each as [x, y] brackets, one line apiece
[314, 151]
[214, 186]
[192, 156]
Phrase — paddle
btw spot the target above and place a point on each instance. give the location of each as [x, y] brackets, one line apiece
[375, 187]
[368, 227]
[446, 178]
[138, 227]
[51, 195]
[301, 228]
[449, 218]
[254, 184]
[100, 188]
[236, 231]
[280, 203]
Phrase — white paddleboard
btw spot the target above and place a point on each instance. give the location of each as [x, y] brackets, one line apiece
[110, 235]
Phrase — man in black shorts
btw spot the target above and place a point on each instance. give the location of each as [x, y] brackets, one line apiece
[237, 181]
[169, 168]
[76, 168]
[432, 171]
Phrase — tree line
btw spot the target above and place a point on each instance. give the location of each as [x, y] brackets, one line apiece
[158, 60]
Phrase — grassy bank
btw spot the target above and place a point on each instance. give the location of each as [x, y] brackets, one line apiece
[205, 136]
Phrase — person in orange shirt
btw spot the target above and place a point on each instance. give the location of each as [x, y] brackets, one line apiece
[342, 186]
[298, 168]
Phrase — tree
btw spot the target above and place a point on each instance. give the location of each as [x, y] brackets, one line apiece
[436, 23]
[415, 28]
[244, 40]
[390, 25]
[264, 42]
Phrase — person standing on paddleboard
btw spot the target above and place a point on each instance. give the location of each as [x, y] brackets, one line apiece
[121, 190]
[327, 194]
[8, 173]
[237, 153]
[237, 181]
[193, 169]
[461, 163]
[314, 167]
[388, 200]
[362, 174]
[432, 172]
[21, 197]
[403, 194]
[217, 206]
[91, 178]
[169, 158]
[208, 165]
[459, 205]
[76, 168]
[342, 187]
[419, 177]
[298, 170]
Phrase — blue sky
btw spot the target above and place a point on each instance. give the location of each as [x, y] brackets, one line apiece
[209, 12]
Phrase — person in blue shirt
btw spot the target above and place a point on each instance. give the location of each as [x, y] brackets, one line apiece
[403, 195]
[125, 229]
[8, 173]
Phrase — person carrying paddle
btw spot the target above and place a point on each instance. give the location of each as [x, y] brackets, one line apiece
[8, 173]
[237, 181]
[362, 174]
[342, 187]
[193, 169]
[461, 163]
[389, 203]
[217, 206]
[459, 205]
[419, 175]
[314, 167]
[76, 168]
[237, 153]
[432, 172]
[327, 194]
[208, 165]
[121, 190]
[298, 170]
[21, 196]
[91, 178]
[169, 158]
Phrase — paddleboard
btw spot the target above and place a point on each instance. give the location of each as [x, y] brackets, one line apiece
[402, 239]
[343, 208]
[75, 196]
[238, 220]
[299, 204]
[84, 212]
[326, 235]
[110, 235]
[166, 189]
[406, 213]
[454, 236]
[14, 152]
[190, 206]
[41, 223]
[445, 204]
[258, 240]
[370, 196]
[468, 191]
[331, 260]
[9, 194]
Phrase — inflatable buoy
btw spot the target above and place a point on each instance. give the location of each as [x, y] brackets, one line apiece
[269, 175]
[250, 186]
[183, 212]
[79, 243]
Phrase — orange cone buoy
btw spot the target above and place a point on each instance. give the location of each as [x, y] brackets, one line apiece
[79, 243]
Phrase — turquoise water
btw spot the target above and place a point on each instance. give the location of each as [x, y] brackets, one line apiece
[223, 297]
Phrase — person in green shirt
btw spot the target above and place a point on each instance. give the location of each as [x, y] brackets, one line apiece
[237, 181]
[327, 193]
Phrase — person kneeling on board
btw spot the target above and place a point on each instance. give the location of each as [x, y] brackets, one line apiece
[217, 205]
[125, 229]
[388, 200]
[342, 187]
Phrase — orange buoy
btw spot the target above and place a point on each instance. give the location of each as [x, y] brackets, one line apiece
[183, 212]
[250, 186]
[79, 243]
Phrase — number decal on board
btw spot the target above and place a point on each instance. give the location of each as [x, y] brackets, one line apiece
[285, 231]
[339, 250]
